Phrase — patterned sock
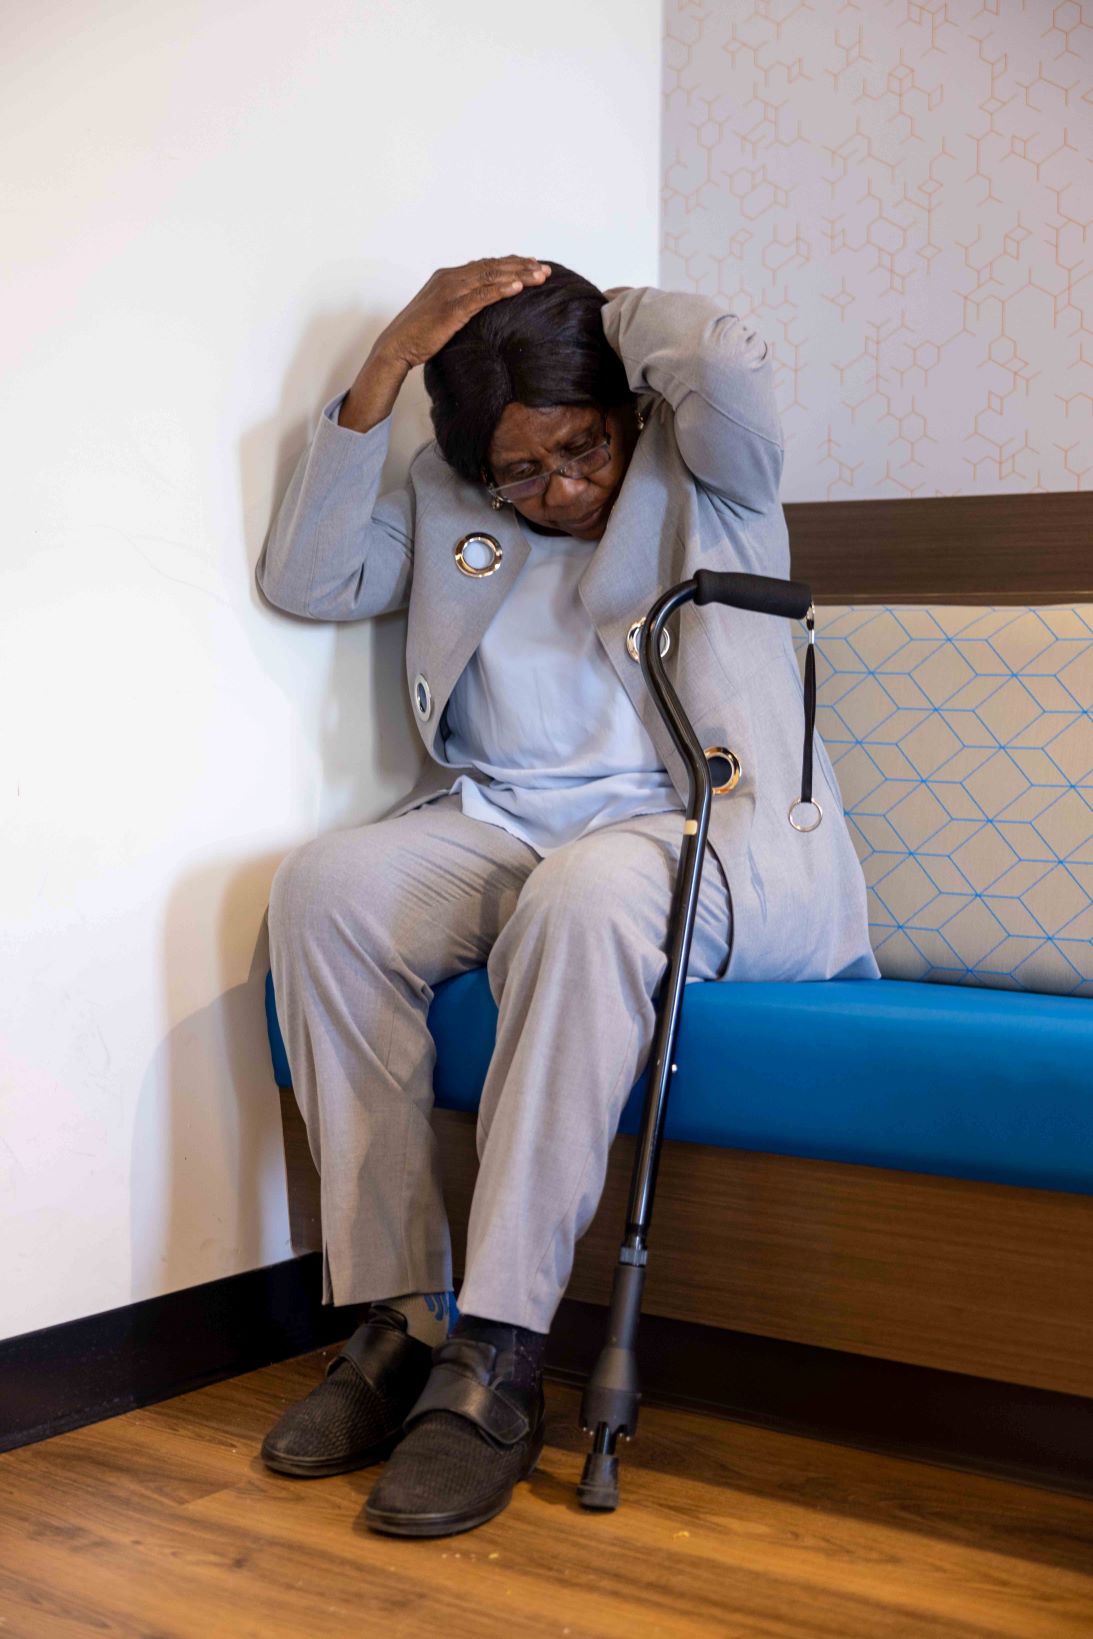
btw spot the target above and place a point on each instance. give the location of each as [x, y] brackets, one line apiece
[527, 1346]
[428, 1314]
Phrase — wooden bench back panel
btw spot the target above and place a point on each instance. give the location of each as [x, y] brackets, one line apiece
[1035, 548]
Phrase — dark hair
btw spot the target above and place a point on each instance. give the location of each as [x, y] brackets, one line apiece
[541, 347]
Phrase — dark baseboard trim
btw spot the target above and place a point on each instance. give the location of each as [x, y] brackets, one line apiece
[66, 1376]
[977, 1424]
[85, 1370]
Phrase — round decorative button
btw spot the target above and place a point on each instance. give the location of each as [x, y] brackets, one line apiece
[477, 555]
[724, 768]
[423, 697]
[633, 638]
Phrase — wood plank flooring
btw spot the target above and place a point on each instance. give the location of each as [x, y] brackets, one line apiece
[164, 1523]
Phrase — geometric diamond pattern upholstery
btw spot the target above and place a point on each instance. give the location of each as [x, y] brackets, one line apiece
[962, 739]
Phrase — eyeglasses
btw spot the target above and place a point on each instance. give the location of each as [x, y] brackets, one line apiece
[578, 466]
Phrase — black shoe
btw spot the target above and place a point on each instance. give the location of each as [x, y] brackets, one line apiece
[472, 1435]
[355, 1415]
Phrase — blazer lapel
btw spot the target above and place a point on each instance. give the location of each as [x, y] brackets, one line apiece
[640, 555]
[450, 610]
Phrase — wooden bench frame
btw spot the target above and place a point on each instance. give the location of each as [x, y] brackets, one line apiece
[975, 1278]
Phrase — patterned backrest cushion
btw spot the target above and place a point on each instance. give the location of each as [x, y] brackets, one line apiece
[962, 739]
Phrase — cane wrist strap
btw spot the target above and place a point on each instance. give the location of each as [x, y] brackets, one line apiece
[804, 804]
[810, 706]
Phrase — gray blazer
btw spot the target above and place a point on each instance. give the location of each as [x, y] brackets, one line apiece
[701, 492]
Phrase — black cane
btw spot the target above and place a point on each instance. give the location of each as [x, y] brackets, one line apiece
[609, 1405]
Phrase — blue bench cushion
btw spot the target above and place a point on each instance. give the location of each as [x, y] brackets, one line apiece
[921, 1077]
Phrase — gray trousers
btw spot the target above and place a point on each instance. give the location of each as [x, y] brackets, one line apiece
[363, 924]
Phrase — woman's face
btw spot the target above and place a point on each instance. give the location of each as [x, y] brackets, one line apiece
[526, 442]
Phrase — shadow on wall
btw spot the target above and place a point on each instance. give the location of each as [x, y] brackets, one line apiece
[207, 1173]
[368, 666]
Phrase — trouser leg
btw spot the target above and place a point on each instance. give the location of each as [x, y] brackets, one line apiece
[363, 924]
[575, 971]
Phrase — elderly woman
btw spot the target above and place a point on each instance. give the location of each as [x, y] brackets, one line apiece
[590, 450]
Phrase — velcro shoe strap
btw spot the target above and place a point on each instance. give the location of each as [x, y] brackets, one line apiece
[381, 1355]
[450, 1388]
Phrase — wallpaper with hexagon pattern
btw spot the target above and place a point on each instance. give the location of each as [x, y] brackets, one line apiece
[900, 194]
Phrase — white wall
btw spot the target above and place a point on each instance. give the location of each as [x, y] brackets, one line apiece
[214, 206]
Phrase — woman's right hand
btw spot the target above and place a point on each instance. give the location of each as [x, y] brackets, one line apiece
[441, 307]
[448, 299]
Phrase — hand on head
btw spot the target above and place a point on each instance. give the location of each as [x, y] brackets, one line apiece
[449, 298]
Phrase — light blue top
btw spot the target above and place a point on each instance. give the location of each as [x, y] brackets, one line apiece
[541, 713]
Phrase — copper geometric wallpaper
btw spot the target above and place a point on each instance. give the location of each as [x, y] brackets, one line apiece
[900, 194]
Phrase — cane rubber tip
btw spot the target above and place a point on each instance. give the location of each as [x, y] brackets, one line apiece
[599, 1484]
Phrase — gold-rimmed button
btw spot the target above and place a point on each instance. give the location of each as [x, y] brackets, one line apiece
[633, 638]
[724, 768]
[477, 555]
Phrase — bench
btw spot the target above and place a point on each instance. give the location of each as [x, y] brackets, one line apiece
[911, 1182]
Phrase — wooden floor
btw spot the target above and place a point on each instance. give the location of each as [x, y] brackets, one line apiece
[164, 1523]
